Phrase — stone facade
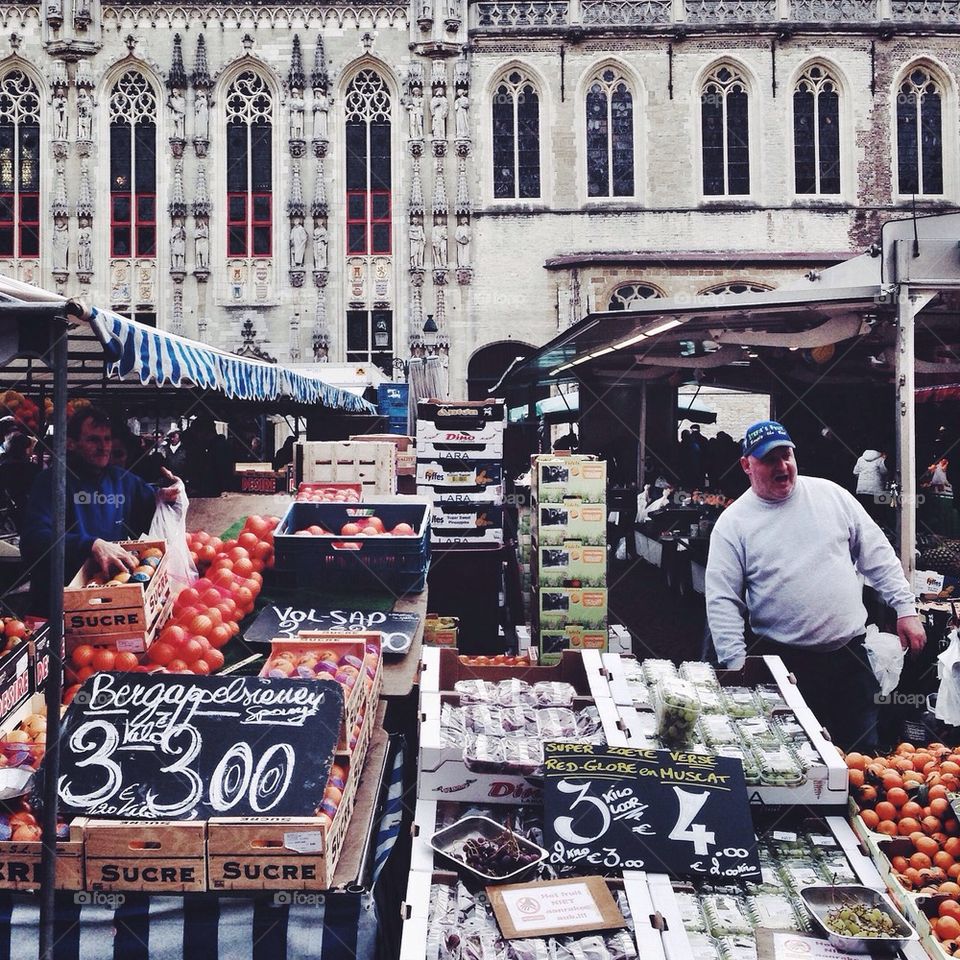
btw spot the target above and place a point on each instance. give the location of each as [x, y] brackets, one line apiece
[487, 269]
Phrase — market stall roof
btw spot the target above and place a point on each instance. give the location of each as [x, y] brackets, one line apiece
[570, 403]
[148, 355]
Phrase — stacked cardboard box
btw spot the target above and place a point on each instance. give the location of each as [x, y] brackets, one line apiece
[460, 466]
[568, 553]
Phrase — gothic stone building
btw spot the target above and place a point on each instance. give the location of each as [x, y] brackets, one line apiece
[338, 172]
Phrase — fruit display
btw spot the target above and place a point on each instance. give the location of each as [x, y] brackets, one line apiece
[19, 823]
[944, 919]
[905, 795]
[371, 526]
[24, 745]
[13, 633]
[488, 850]
[677, 707]
[316, 662]
[148, 561]
[328, 493]
[206, 615]
[859, 920]
[333, 792]
[496, 660]
[23, 409]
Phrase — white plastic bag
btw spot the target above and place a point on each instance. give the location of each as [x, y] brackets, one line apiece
[170, 524]
[948, 695]
[886, 658]
[621, 552]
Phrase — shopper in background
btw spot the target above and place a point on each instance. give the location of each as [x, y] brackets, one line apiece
[18, 470]
[174, 453]
[871, 473]
[786, 555]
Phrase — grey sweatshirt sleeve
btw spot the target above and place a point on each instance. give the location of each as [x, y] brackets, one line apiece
[876, 560]
[726, 608]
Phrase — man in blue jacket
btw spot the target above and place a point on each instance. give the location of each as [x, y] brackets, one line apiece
[104, 504]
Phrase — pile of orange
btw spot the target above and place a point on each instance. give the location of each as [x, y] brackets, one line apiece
[906, 795]
[205, 617]
[946, 926]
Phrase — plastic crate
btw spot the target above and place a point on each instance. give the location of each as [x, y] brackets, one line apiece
[336, 562]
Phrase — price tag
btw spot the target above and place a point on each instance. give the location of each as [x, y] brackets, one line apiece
[819, 840]
[617, 808]
[304, 841]
[169, 747]
[784, 836]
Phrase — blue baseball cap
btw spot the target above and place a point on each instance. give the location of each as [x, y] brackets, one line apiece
[763, 437]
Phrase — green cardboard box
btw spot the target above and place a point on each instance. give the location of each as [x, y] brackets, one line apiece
[572, 564]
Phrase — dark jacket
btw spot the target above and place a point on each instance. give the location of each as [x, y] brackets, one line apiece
[118, 506]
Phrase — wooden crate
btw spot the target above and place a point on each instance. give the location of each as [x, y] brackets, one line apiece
[374, 465]
[279, 853]
[20, 863]
[126, 617]
[158, 857]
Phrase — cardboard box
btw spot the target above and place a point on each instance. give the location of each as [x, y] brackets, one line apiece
[125, 617]
[463, 445]
[570, 519]
[468, 516]
[157, 857]
[492, 495]
[440, 631]
[402, 442]
[373, 465]
[459, 476]
[20, 862]
[39, 644]
[560, 607]
[279, 853]
[552, 643]
[441, 669]
[438, 417]
[583, 564]
[578, 475]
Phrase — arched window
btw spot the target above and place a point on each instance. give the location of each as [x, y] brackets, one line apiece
[19, 166]
[816, 132]
[920, 134]
[725, 133]
[609, 136]
[516, 138]
[630, 295]
[249, 167]
[367, 108]
[133, 167]
[735, 286]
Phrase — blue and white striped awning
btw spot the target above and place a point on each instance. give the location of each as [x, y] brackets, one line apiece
[164, 358]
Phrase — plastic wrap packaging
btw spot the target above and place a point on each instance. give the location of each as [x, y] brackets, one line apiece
[699, 673]
[800, 873]
[483, 753]
[690, 914]
[518, 721]
[589, 725]
[514, 693]
[726, 915]
[654, 670]
[773, 911]
[552, 693]
[677, 707]
[737, 948]
[557, 723]
[741, 702]
[703, 947]
[475, 691]
[523, 756]
[718, 731]
[789, 728]
[758, 732]
[751, 769]
[710, 700]
[779, 767]
[837, 869]
[451, 725]
[770, 698]
[483, 718]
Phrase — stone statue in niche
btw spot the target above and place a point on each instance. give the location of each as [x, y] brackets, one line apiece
[61, 125]
[201, 116]
[55, 9]
[438, 116]
[84, 115]
[463, 236]
[460, 107]
[61, 247]
[298, 245]
[439, 239]
[417, 242]
[296, 104]
[81, 9]
[178, 248]
[319, 247]
[84, 252]
[178, 109]
[321, 109]
[415, 114]
[201, 246]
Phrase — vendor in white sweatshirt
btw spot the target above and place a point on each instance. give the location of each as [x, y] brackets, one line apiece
[786, 555]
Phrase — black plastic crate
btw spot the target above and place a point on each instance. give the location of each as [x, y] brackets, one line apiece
[395, 564]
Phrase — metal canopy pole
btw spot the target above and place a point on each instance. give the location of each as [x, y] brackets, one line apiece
[642, 449]
[906, 431]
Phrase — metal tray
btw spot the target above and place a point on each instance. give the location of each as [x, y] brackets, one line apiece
[819, 900]
[449, 842]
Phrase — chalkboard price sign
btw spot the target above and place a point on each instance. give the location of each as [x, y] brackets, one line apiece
[170, 747]
[665, 811]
